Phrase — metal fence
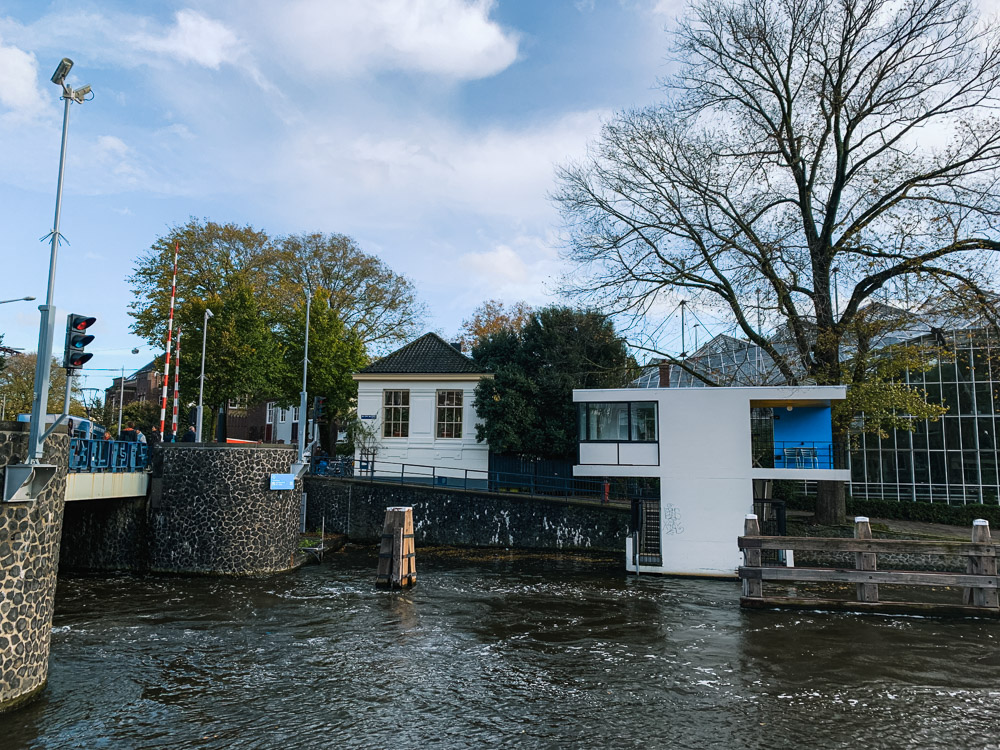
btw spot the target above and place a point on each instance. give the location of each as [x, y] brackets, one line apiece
[614, 490]
[107, 455]
[799, 454]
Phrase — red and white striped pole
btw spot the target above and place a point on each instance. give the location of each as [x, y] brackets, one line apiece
[170, 332]
[177, 383]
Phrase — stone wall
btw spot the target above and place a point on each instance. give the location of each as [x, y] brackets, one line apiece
[29, 559]
[211, 510]
[356, 507]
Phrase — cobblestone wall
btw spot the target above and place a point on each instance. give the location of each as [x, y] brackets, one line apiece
[211, 510]
[29, 559]
[474, 519]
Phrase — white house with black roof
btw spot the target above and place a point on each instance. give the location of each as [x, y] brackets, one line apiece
[418, 405]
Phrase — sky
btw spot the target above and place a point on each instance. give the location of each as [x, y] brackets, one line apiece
[427, 130]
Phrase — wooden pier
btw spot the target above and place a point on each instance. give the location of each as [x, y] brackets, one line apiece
[979, 583]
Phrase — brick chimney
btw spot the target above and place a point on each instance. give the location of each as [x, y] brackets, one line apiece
[664, 374]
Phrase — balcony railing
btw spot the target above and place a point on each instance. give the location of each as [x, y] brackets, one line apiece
[107, 455]
[799, 454]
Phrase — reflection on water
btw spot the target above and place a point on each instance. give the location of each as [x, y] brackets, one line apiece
[495, 651]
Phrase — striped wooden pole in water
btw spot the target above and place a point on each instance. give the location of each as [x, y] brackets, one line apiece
[397, 566]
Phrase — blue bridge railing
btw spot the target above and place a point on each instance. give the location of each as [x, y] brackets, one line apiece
[107, 455]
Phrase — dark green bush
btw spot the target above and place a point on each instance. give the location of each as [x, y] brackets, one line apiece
[903, 510]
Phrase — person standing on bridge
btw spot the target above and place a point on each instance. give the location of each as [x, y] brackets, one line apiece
[154, 437]
[189, 436]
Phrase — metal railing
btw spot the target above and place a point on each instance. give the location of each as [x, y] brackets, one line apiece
[614, 490]
[799, 454]
[107, 455]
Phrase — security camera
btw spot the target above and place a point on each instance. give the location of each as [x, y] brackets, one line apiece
[62, 71]
[81, 93]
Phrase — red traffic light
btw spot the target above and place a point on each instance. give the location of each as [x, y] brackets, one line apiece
[81, 322]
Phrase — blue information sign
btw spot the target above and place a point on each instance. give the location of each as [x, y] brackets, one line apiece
[282, 481]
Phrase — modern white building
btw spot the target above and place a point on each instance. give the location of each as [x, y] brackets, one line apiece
[706, 446]
[418, 404]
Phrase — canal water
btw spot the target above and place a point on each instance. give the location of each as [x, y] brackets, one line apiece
[495, 651]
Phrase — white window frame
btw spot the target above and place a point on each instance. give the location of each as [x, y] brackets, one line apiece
[396, 411]
[455, 410]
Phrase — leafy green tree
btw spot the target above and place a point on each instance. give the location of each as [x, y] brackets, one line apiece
[378, 305]
[212, 258]
[335, 353]
[17, 384]
[527, 407]
[243, 355]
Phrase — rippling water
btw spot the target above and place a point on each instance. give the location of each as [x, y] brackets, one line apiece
[495, 651]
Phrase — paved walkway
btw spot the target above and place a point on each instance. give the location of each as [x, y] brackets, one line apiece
[916, 528]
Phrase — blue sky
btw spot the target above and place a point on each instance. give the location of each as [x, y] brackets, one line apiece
[428, 130]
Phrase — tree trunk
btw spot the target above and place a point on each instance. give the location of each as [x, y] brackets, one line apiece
[831, 503]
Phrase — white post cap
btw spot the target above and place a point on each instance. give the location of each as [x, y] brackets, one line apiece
[751, 517]
[861, 519]
[980, 522]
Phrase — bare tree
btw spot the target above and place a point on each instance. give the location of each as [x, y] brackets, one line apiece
[799, 137]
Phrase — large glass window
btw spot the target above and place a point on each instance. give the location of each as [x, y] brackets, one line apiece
[618, 421]
[643, 418]
[449, 414]
[396, 413]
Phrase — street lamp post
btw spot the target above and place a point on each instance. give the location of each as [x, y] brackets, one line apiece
[201, 387]
[43, 363]
[16, 299]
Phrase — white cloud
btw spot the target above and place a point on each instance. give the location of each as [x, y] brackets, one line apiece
[451, 38]
[194, 38]
[525, 269]
[19, 92]
[433, 166]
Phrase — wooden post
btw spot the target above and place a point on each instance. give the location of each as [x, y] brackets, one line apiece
[751, 558]
[867, 592]
[981, 565]
[396, 557]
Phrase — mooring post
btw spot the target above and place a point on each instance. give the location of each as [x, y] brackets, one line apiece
[867, 592]
[396, 557]
[752, 587]
[982, 565]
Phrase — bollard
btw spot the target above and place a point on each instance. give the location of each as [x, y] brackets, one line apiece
[396, 557]
[752, 587]
[867, 592]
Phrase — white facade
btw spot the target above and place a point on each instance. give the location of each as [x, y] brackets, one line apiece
[702, 456]
[426, 419]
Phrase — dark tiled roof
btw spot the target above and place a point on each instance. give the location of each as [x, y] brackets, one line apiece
[428, 354]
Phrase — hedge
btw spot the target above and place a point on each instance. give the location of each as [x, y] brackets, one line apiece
[901, 510]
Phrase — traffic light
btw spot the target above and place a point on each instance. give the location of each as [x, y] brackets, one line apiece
[318, 405]
[77, 339]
